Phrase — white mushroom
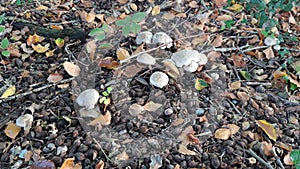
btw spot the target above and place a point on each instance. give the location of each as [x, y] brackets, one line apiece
[184, 58]
[159, 79]
[162, 38]
[88, 98]
[269, 41]
[25, 121]
[192, 67]
[145, 58]
[143, 37]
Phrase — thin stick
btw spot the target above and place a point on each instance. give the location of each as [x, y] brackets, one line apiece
[235, 108]
[251, 152]
[278, 161]
[35, 90]
[102, 150]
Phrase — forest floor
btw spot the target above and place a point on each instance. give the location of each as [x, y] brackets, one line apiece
[237, 109]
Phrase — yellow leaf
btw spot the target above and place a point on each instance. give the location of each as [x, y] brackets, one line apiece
[9, 92]
[155, 10]
[12, 130]
[267, 128]
[50, 53]
[39, 48]
[236, 8]
[279, 74]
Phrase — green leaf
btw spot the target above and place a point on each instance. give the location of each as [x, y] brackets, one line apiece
[5, 53]
[124, 21]
[135, 28]
[100, 36]
[2, 28]
[284, 52]
[4, 43]
[19, 2]
[2, 17]
[245, 75]
[105, 93]
[106, 101]
[138, 17]
[102, 100]
[95, 31]
[295, 157]
[109, 89]
[228, 23]
[105, 27]
[293, 86]
[125, 30]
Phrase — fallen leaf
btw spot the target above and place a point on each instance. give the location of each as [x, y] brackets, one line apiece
[100, 165]
[218, 41]
[12, 130]
[187, 136]
[71, 68]
[102, 120]
[233, 129]
[54, 77]
[88, 17]
[122, 156]
[40, 49]
[41, 164]
[11, 90]
[224, 18]
[269, 53]
[69, 164]
[283, 146]
[287, 159]
[236, 8]
[243, 96]
[267, 128]
[228, 95]
[238, 61]
[122, 54]
[222, 133]
[41, 7]
[235, 85]
[183, 150]
[155, 10]
[50, 53]
[268, 148]
[151, 106]
[220, 3]
[135, 109]
[193, 4]
[109, 63]
[33, 39]
[200, 84]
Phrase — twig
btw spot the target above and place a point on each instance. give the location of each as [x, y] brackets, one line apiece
[35, 90]
[107, 158]
[235, 108]
[251, 152]
[203, 4]
[258, 83]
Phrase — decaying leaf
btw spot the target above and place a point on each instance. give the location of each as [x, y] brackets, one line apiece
[151, 106]
[287, 159]
[33, 39]
[155, 10]
[12, 130]
[60, 42]
[122, 53]
[267, 128]
[268, 148]
[222, 133]
[183, 150]
[236, 8]
[233, 129]
[100, 165]
[54, 77]
[235, 85]
[243, 96]
[69, 164]
[135, 109]
[108, 62]
[40, 49]
[102, 120]
[71, 68]
[9, 92]
[269, 53]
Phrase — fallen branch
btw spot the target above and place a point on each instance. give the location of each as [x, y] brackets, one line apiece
[35, 90]
[251, 152]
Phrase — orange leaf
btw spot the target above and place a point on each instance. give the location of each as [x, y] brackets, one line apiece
[267, 128]
[33, 39]
[279, 74]
[122, 53]
[12, 130]
[69, 164]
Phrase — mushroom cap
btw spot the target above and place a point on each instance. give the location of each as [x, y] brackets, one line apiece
[159, 79]
[143, 37]
[162, 38]
[88, 98]
[192, 67]
[185, 58]
[145, 58]
[269, 41]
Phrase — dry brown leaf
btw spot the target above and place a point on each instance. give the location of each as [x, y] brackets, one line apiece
[238, 60]
[183, 150]
[267, 128]
[109, 63]
[41, 7]
[122, 156]
[185, 135]
[12, 130]
[220, 3]
[133, 6]
[122, 54]
[33, 39]
[222, 133]
[269, 53]
[102, 120]
[193, 4]
[91, 49]
[213, 56]
[224, 18]
[131, 70]
[88, 17]
[228, 95]
[200, 40]
[100, 165]
[218, 41]
[151, 106]
[72, 69]
[243, 96]
[122, 1]
[235, 85]
[287, 159]
[268, 148]
[233, 129]
[54, 77]
[69, 164]
[202, 119]
[177, 122]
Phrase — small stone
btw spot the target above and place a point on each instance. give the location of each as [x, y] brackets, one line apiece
[214, 161]
[245, 125]
[168, 111]
[200, 112]
[269, 41]
[88, 98]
